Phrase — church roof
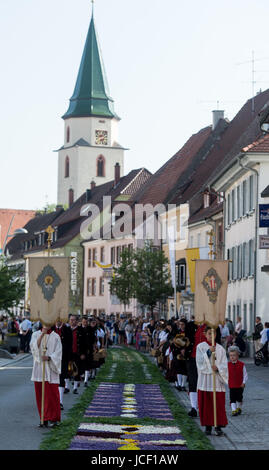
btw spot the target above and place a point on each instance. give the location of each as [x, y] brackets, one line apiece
[91, 94]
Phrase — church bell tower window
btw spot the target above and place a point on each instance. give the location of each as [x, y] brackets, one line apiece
[101, 166]
[67, 167]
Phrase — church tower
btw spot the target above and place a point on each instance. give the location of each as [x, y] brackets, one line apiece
[91, 149]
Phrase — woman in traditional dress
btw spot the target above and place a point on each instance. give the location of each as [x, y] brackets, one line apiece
[205, 369]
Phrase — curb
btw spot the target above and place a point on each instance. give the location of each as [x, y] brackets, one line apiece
[14, 360]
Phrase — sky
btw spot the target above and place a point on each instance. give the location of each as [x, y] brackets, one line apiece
[169, 64]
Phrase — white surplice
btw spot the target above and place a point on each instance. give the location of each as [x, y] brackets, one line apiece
[205, 371]
[54, 350]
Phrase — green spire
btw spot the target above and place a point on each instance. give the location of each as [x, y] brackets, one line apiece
[91, 94]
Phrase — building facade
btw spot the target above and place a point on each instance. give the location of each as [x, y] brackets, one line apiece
[243, 184]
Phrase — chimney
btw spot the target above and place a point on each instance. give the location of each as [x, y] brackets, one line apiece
[88, 194]
[93, 184]
[217, 115]
[117, 174]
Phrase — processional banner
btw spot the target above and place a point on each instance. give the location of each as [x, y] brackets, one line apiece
[49, 289]
[211, 283]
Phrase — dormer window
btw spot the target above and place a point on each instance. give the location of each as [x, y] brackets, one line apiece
[206, 200]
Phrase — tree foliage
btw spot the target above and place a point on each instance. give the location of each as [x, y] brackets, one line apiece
[122, 283]
[12, 285]
[143, 274]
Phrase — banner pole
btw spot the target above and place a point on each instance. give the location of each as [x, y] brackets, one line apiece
[214, 379]
[211, 253]
[49, 231]
[44, 349]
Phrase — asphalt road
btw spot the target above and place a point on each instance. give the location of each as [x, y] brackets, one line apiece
[19, 418]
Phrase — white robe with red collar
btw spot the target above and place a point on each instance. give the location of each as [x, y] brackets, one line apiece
[205, 371]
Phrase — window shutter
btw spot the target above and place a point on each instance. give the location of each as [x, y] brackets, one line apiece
[229, 209]
[251, 192]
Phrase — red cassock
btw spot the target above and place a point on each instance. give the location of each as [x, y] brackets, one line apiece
[206, 411]
[52, 410]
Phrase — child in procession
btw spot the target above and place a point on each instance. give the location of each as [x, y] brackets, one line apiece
[237, 380]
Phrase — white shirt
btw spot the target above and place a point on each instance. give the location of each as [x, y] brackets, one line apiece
[100, 334]
[145, 325]
[162, 336]
[54, 350]
[264, 336]
[26, 325]
[205, 371]
[238, 327]
[225, 331]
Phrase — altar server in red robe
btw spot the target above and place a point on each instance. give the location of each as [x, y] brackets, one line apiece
[205, 369]
[46, 347]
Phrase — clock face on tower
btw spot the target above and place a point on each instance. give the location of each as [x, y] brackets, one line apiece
[101, 137]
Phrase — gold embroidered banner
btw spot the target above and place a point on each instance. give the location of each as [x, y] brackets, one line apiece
[49, 289]
[211, 283]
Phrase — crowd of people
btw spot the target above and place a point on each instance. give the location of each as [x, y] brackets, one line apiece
[73, 351]
[184, 353]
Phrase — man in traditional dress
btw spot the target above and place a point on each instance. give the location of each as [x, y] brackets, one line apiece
[46, 347]
[77, 353]
[205, 369]
[92, 342]
[65, 333]
[196, 336]
[84, 341]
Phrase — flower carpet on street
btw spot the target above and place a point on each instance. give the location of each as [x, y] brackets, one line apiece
[129, 406]
[127, 437]
[129, 401]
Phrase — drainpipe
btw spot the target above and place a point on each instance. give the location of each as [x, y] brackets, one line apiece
[256, 229]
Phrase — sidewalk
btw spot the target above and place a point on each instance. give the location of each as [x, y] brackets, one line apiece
[248, 431]
[17, 357]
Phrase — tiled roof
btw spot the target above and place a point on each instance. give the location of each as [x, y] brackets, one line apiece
[162, 182]
[21, 217]
[34, 226]
[140, 179]
[259, 146]
[72, 219]
[206, 213]
[243, 130]
[68, 223]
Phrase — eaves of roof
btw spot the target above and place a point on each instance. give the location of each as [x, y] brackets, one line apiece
[206, 213]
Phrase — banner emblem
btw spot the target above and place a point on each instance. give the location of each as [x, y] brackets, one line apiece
[48, 280]
[212, 284]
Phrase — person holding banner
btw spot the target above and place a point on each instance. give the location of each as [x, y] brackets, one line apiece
[205, 367]
[46, 347]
